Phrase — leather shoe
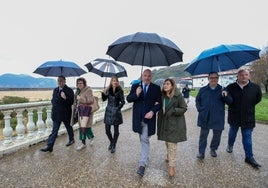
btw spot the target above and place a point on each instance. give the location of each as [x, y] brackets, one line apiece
[141, 171]
[213, 153]
[70, 143]
[46, 149]
[229, 149]
[252, 162]
[200, 156]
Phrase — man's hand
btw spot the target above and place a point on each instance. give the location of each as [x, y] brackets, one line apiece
[149, 115]
[138, 90]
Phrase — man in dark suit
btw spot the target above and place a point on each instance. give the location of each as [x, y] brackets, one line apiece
[146, 98]
[62, 101]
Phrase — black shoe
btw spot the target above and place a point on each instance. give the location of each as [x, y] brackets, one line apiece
[113, 149]
[70, 143]
[252, 162]
[141, 171]
[213, 153]
[110, 147]
[46, 149]
[200, 156]
[229, 149]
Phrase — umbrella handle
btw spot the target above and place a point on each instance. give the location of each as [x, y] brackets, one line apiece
[105, 83]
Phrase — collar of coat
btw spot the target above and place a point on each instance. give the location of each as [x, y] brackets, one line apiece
[171, 101]
[86, 89]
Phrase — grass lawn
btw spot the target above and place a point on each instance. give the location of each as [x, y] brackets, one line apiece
[261, 108]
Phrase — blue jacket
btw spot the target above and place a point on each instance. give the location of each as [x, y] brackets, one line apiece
[141, 105]
[210, 105]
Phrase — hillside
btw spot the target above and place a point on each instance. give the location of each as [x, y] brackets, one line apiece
[174, 71]
[25, 81]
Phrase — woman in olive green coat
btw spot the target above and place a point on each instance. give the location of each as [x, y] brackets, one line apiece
[171, 125]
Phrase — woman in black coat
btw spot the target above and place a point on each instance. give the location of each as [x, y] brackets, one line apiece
[113, 116]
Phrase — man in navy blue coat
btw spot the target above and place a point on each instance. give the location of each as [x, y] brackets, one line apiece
[146, 98]
[62, 101]
[210, 104]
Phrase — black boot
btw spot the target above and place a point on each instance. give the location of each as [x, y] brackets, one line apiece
[113, 148]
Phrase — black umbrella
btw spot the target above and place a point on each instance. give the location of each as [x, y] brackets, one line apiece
[145, 49]
[106, 68]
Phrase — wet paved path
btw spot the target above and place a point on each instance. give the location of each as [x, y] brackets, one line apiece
[96, 167]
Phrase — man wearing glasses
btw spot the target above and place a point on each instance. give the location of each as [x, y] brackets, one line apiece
[210, 104]
[62, 101]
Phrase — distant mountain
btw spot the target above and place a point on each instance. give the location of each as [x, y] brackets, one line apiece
[25, 81]
[174, 71]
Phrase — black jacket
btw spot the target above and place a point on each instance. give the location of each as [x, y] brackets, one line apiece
[116, 101]
[241, 111]
[61, 108]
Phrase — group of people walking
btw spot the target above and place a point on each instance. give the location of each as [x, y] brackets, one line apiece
[161, 110]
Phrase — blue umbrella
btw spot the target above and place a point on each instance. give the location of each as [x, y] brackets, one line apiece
[59, 68]
[106, 68]
[222, 58]
[145, 49]
[135, 82]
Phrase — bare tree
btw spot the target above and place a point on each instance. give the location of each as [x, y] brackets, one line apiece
[259, 69]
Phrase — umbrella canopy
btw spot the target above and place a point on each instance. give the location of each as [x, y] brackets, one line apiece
[145, 49]
[222, 58]
[106, 68]
[135, 82]
[188, 82]
[59, 68]
[159, 81]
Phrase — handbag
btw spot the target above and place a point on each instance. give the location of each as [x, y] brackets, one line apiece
[95, 106]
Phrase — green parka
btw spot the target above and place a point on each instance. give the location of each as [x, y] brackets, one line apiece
[171, 125]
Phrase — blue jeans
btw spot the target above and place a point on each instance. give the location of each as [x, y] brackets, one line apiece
[215, 142]
[246, 139]
[145, 145]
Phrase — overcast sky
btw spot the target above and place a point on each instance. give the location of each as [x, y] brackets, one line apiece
[34, 31]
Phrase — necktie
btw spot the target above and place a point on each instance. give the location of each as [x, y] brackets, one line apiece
[145, 89]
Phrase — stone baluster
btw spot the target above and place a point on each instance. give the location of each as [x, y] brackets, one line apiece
[40, 122]
[49, 120]
[20, 129]
[7, 131]
[30, 124]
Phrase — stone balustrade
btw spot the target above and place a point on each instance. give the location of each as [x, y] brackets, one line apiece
[27, 132]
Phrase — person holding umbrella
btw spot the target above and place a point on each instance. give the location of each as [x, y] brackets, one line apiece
[62, 101]
[146, 98]
[113, 116]
[85, 98]
[210, 104]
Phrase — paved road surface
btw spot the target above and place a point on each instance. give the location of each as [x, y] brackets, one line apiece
[96, 167]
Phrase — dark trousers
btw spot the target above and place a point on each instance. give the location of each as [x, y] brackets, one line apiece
[215, 142]
[56, 126]
[113, 139]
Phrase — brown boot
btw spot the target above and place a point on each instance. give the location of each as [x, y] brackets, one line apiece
[171, 171]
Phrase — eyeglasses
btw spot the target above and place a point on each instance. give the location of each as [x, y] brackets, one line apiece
[213, 78]
[80, 83]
